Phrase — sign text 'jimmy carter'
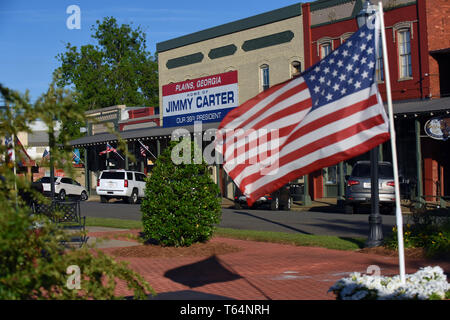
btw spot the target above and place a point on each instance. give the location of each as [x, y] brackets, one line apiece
[206, 99]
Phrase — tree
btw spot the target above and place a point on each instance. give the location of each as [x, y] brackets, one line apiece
[117, 70]
[33, 264]
[181, 203]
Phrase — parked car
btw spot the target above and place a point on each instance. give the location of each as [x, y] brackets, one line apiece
[121, 184]
[64, 187]
[280, 199]
[358, 187]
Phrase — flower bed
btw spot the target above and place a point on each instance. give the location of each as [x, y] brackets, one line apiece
[428, 283]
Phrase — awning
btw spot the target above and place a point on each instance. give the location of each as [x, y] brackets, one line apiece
[421, 107]
[407, 108]
[152, 133]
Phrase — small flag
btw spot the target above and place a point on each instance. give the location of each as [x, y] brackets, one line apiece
[109, 149]
[145, 148]
[46, 155]
[9, 145]
[330, 113]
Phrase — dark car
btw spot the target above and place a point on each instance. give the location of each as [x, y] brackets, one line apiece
[280, 199]
[26, 195]
[358, 187]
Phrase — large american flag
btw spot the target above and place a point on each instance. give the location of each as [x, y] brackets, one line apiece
[330, 113]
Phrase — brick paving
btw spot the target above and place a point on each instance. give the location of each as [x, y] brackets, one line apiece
[259, 271]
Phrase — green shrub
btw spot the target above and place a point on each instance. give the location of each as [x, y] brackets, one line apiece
[428, 230]
[181, 204]
[33, 262]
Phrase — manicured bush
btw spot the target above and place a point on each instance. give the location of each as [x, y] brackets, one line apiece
[181, 204]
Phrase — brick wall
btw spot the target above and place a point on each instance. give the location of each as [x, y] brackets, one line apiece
[438, 27]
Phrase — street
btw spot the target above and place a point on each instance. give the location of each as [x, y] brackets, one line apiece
[321, 221]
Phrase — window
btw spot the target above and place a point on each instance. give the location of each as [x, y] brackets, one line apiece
[404, 52]
[325, 50]
[331, 175]
[66, 181]
[112, 175]
[265, 81]
[379, 71]
[324, 47]
[129, 175]
[296, 68]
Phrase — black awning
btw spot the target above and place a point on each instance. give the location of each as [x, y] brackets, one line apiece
[145, 133]
[421, 107]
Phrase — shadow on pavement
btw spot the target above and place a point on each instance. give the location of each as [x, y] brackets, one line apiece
[201, 273]
[271, 221]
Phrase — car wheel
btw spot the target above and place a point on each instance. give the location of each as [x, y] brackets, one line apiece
[275, 204]
[62, 195]
[134, 197]
[288, 204]
[103, 199]
[83, 196]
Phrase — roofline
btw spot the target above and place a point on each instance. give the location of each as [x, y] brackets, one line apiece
[232, 27]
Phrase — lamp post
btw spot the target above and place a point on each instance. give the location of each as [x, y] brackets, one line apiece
[375, 222]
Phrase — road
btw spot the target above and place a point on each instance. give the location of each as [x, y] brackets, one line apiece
[322, 221]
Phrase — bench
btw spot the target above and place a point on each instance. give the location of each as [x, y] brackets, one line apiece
[67, 215]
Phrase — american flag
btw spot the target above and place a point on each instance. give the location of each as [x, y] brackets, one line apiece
[46, 154]
[9, 145]
[143, 153]
[109, 149]
[330, 113]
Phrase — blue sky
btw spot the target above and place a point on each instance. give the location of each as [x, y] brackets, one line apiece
[32, 33]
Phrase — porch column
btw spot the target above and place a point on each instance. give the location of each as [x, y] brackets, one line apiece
[419, 187]
[306, 199]
[126, 156]
[86, 171]
[341, 183]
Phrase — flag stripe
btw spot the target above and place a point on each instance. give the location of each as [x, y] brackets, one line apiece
[278, 104]
[311, 158]
[325, 124]
[337, 137]
[324, 162]
[236, 116]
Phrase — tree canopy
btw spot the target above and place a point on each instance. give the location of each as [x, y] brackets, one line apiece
[118, 69]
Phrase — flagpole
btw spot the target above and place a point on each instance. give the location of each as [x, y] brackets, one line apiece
[398, 211]
[146, 148]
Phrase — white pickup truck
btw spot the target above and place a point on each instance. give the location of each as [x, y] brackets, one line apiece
[121, 184]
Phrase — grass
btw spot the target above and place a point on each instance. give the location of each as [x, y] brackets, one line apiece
[113, 223]
[329, 242]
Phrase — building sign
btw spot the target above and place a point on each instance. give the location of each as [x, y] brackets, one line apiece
[206, 99]
[438, 128]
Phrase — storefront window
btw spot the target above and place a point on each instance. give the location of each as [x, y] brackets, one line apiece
[331, 175]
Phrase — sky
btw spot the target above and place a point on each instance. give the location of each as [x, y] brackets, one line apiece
[33, 33]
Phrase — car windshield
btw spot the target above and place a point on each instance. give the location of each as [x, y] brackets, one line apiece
[46, 180]
[362, 170]
[113, 175]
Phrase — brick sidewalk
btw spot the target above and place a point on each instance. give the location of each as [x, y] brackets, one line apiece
[260, 271]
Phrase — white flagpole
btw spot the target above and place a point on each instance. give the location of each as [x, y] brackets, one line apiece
[398, 210]
[145, 147]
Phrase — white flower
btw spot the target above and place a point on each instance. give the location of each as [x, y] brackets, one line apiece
[423, 284]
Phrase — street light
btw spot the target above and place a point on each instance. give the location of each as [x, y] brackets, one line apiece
[375, 222]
